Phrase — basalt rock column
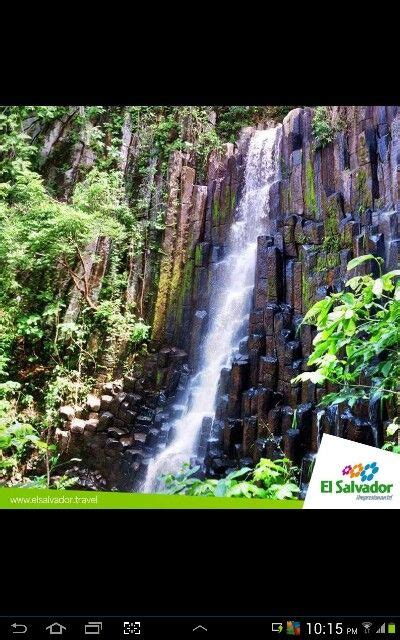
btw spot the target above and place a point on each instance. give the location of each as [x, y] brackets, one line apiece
[229, 307]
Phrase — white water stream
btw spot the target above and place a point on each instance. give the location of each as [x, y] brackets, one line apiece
[231, 303]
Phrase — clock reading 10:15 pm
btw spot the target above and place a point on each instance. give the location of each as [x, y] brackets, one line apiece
[329, 628]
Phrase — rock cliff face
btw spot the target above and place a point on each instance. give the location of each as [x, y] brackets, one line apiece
[329, 205]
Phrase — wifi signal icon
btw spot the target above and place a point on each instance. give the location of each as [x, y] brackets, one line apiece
[367, 626]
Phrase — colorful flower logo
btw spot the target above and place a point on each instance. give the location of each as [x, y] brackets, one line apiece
[369, 471]
[366, 472]
[356, 470]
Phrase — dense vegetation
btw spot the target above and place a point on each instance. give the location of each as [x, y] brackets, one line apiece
[44, 356]
[358, 341]
[60, 331]
[274, 479]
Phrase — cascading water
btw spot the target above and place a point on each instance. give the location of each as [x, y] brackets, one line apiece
[230, 302]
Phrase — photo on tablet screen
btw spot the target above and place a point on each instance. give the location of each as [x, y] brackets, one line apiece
[191, 297]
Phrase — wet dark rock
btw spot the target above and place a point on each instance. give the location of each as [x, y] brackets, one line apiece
[205, 429]
[273, 447]
[128, 384]
[213, 447]
[265, 400]
[259, 449]
[275, 421]
[243, 346]
[143, 420]
[268, 370]
[224, 381]
[116, 432]
[292, 446]
[91, 425]
[172, 382]
[287, 414]
[269, 313]
[105, 421]
[140, 437]
[221, 410]
[116, 402]
[357, 430]
[105, 402]
[239, 381]
[249, 435]
[274, 275]
[113, 444]
[256, 322]
[127, 440]
[247, 398]
[233, 434]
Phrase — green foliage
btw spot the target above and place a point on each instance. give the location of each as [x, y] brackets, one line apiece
[233, 118]
[322, 127]
[17, 436]
[358, 337]
[310, 197]
[392, 430]
[269, 479]
[43, 241]
[51, 480]
[332, 241]
[125, 325]
[364, 196]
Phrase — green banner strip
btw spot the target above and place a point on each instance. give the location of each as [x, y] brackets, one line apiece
[52, 499]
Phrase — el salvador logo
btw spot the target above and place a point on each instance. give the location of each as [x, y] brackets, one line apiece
[366, 473]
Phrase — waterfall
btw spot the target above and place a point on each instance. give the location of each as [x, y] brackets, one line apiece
[230, 302]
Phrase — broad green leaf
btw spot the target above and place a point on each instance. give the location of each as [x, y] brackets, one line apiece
[238, 473]
[377, 289]
[392, 274]
[221, 488]
[357, 261]
[392, 428]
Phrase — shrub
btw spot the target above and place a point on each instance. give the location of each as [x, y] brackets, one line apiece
[322, 127]
[358, 340]
[269, 479]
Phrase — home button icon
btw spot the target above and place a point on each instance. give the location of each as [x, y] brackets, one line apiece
[56, 629]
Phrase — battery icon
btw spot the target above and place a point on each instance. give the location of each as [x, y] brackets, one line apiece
[391, 628]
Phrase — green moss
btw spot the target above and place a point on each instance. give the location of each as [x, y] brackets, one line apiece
[346, 238]
[321, 262]
[198, 255]
[333, 260]
[233, 202]
[305, 291]
[284, 169]
[185, 290]
[310, 197]
[215, 213]
[285, 197]
[332, 241]
[159, 378]
[187, 277]
[327, 261]
[225, 209]
[363, 195]
[362, 150]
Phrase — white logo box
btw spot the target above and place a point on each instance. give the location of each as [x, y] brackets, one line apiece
[337, 453]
